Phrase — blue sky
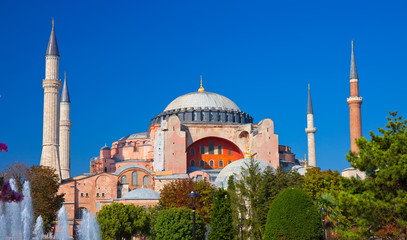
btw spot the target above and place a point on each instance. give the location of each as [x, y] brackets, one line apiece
[126, 61]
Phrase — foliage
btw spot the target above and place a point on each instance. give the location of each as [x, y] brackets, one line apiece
[3, 147]
[377, 206]
[293, 215]
[271, 184]
[317, 182]
[7, 194]
[118, 221]
[44, 193]
[248, 192]
[44, 189]
[176, 224]
[175, 194]
[222, 227]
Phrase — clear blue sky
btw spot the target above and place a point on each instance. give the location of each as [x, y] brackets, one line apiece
[127, 60]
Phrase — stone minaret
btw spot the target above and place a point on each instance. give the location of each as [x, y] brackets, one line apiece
[51, 85]
[65, 132]
[354, 102]
[310, 130]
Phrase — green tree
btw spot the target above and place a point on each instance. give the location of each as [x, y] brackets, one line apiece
[293, 215]
[118, 221]
[271, 184]
[248, 193]
[176, 224]
[377, 206]
[317, 182]
[222, 227]
[175, 194]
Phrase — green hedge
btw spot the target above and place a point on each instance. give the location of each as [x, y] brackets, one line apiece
[293, 215]
[176, 224]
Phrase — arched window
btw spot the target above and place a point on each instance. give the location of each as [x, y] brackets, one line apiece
[211, 163]
[124, 180]
[134, 178]
[211, 147]
[146, 181]
[105, 169]
[220, 163]
[202, 149]
[192, 163]
[230, 152]
[192, 152]
[230, 161]
[202, 163]
[220, 150]
[80, 212]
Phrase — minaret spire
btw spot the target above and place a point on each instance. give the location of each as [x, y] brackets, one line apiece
[310, 130]
[353, 70]
[354, 102]
[52, 48]
[65, 132]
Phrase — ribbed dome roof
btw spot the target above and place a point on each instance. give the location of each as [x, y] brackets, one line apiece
[142, 194]
[202, 100]
[236, 168]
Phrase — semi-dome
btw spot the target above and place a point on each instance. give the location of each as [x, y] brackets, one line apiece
[236, 168]
[202, 100]
[142, 194]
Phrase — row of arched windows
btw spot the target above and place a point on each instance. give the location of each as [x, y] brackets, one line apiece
[211, 149]
[134, 179]
[211, 163]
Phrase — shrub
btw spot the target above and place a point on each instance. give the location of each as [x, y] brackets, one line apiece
[292, 215]
[176, 224]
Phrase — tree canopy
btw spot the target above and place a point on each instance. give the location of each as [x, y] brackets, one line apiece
[176, 224]
[222, 227]
[293, 216]
[175, 194]
[377, 206]
[118, 221]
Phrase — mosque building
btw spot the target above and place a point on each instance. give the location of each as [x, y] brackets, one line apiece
[199, 135]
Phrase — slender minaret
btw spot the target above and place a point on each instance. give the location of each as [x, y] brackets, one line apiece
[51, 85]
[65, 132]
[354, 102]
[310, 130]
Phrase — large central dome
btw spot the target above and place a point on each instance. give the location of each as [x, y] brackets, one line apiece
[204, 107]
[202, 100]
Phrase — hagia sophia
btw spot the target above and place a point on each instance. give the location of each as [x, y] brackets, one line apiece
[199, 135]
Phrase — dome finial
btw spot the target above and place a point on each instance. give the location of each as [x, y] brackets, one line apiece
[201, 89]
[305, 161]
[247, 154]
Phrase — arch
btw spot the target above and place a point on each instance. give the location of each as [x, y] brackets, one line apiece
[202, 163]
[221, 163]
[225, 149]
[146, 181]
[192, 163]
[211, 163]
[244, 134]
[192, 152]
[134, 178]
[123, 179]
[80, 212]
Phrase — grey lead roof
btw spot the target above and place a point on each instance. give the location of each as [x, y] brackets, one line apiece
[353, 70]
[65, 92]
[309, 106]
[52, 48]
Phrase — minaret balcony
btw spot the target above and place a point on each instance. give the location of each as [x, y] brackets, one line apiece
[354, 99]
[311, 130]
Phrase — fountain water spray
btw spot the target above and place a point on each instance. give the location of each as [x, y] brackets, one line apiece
[62, 226]
[27, 211]
[38, 228]
[13, 215]
[89, 228]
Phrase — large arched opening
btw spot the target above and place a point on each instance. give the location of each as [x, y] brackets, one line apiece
[212, 153]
